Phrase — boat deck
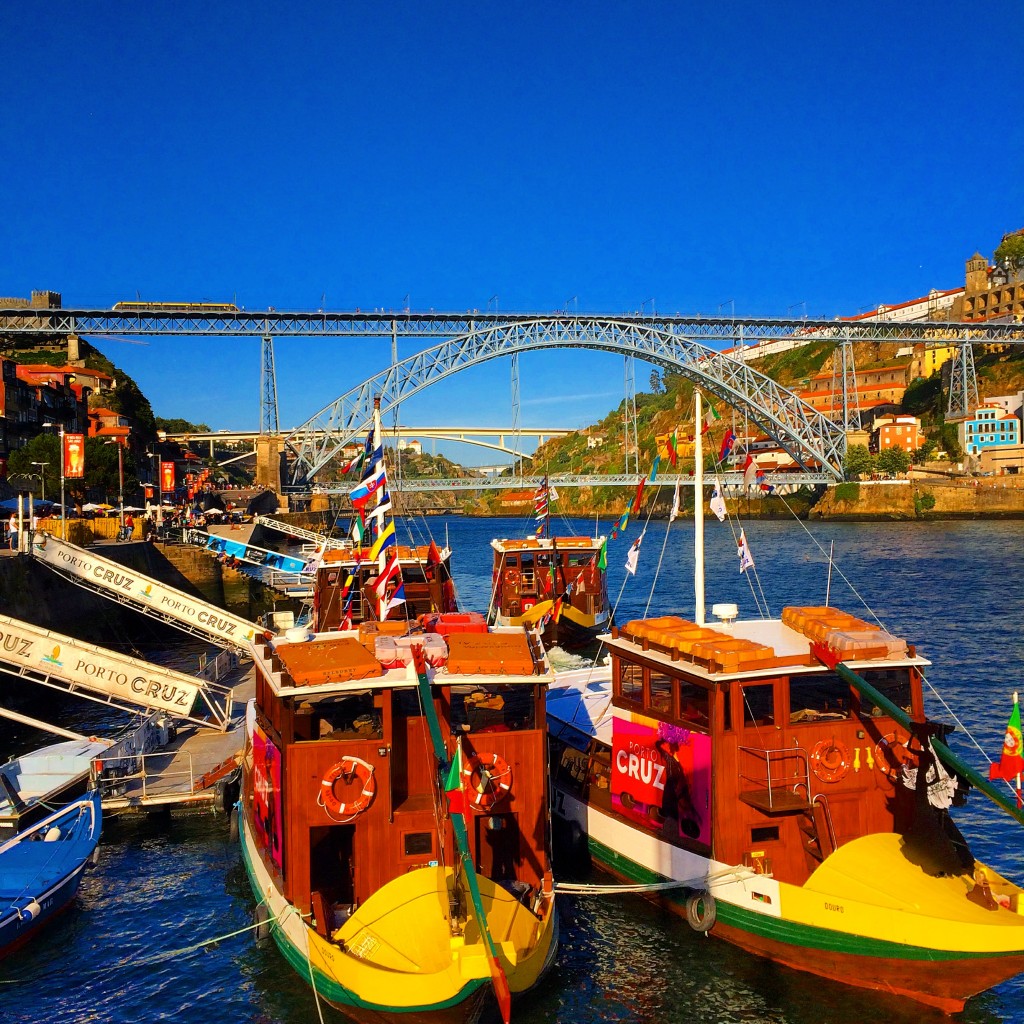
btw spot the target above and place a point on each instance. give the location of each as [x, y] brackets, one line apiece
[184, 774]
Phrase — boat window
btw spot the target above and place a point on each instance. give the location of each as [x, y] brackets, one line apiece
[759, 704]
[694, 704]
[819, 697]
[417, 844]
[572, 770]
[661, 687]
[352, 717]
[600, 779]
[511, 561]
[406, 702]
[493, 709]
[893, 683]
[630, 680]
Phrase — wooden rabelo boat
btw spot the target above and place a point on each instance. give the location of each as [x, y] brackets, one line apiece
[394, 806]
[785, 774]
[557, 583]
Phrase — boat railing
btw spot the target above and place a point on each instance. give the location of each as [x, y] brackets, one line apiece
[771, 780]
[144, 776]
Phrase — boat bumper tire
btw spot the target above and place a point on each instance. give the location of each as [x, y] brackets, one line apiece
[701, 912]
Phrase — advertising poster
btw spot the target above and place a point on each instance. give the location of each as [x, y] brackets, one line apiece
[166, 476]
[74, 456]
[267, 795]
[661, 777]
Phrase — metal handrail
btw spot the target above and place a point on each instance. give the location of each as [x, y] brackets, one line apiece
[140, 773]
[765, 754]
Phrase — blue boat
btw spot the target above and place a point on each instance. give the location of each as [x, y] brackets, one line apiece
[41, 868]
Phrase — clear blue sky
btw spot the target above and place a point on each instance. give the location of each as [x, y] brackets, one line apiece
[766, 158]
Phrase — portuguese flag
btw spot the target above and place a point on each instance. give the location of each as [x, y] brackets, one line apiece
[453, 784]
[1011, 762]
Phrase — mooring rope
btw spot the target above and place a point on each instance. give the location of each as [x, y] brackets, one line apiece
[699, 881]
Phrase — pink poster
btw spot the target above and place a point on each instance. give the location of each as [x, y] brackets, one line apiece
[661, 777]
[267, 795]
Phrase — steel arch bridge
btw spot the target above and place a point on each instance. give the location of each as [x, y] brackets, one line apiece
[807, 435]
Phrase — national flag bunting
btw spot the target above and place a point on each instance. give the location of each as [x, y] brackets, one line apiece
[390, 570]
[397, 598]
[674, 512]
[633, 555]
[749, 471]
[718, 502]
[673, 446]
[433, 555]
[453, 784]
[388, 533]
[746, 559]
[602, 557]
[1011, 761]
[709, 419]
[726, 449]
[369, 486]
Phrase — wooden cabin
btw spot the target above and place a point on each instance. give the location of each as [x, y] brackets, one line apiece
[324, 700]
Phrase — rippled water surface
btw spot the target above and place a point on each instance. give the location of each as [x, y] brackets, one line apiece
[128, 951]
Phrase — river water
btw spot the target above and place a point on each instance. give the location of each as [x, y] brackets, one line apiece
[128, 951]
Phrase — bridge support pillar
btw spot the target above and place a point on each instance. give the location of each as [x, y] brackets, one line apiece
[269, 461]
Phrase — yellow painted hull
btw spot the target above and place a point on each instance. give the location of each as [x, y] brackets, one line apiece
[397, 953]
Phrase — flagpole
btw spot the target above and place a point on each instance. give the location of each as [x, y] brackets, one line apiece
[698, 512]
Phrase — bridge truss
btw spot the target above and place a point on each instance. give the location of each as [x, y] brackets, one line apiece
[680, 343]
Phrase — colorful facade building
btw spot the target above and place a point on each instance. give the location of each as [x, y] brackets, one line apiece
[991, 426]
[898, 432]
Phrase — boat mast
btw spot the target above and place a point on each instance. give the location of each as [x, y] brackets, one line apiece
[698, 512]
[380, 506]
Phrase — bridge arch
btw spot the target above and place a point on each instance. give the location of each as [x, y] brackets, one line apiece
[801, 430]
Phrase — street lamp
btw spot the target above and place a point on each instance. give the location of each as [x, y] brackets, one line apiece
[63, 514]
[120, 483]
[42, 478]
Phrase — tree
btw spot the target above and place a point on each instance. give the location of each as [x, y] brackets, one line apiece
[1011, 250]
[925, 451]
[858, 461]
[180, 426]
[657, 387]
[893, 461]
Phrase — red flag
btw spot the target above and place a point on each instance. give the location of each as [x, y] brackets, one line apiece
[433, 555]
[635, 508]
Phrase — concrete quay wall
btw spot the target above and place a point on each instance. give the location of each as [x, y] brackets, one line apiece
[921, 499]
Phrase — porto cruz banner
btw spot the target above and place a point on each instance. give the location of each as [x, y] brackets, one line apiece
[74, 456]
[166, 476]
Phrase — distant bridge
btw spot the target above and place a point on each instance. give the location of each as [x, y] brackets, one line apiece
[466, 435]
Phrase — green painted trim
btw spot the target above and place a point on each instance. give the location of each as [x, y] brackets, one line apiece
[792, 933]
[325, 986]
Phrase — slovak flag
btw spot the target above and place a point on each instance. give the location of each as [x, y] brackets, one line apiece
[727, 442]
[746, 559]
[633, 555]
[369, 486]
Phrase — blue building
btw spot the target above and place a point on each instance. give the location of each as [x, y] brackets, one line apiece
[990, 427]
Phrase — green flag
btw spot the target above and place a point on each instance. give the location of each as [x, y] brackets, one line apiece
[602, 557]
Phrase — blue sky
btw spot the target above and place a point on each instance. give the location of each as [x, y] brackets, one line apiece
[762, 158]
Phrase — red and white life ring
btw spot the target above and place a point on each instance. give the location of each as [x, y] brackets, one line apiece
[893, 753]
[489, 779]
[347, 769]
[830, 760]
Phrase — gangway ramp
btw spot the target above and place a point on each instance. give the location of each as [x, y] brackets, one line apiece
[149, 596]
[318, 539]
[124, 682]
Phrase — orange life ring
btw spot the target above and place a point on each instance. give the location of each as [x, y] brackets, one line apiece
[346, 769]
[830, 760]
[512, 577]
[892, 754]
[488, 780]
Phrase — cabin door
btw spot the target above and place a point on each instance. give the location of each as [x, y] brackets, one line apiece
[497, 846]
[332, 867]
